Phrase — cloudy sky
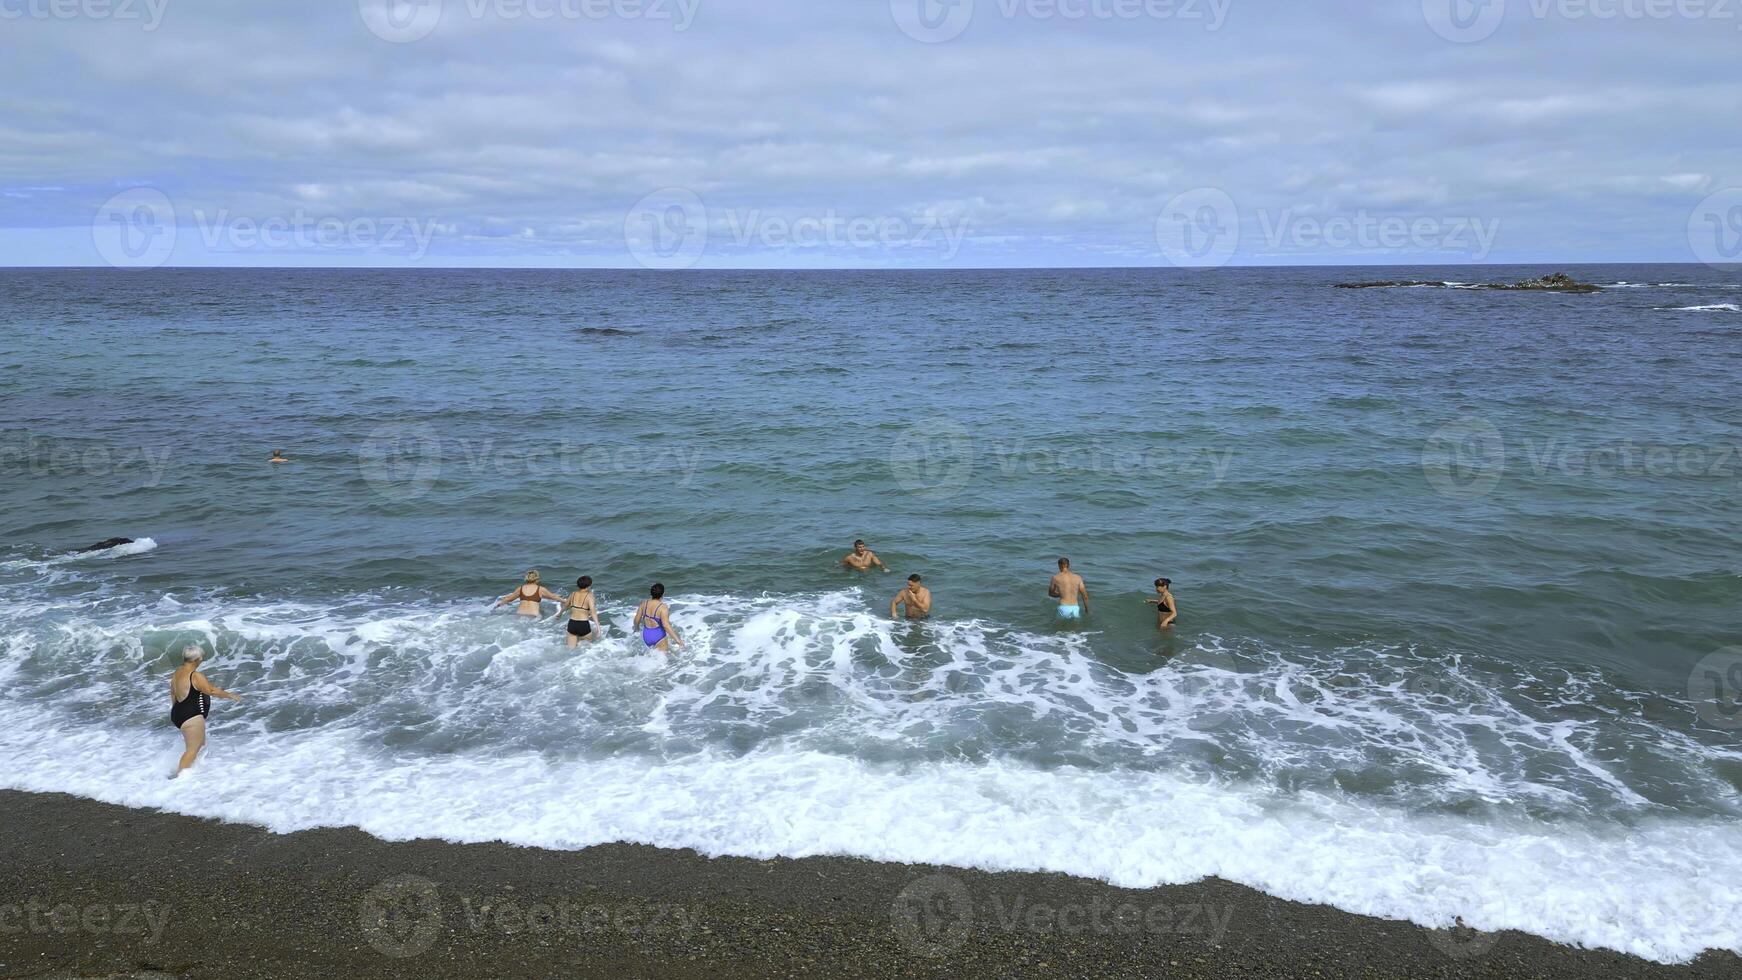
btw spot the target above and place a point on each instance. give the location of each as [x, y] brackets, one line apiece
[868, 133]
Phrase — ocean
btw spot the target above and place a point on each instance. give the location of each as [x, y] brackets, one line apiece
[1459, 571]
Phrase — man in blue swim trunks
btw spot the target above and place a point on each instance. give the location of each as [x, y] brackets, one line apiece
[1069, 590]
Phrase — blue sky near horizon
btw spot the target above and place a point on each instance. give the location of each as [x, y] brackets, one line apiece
[868, 134]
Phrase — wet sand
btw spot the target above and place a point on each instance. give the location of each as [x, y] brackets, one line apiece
[100, 890]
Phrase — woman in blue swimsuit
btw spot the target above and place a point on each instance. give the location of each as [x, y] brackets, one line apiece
[653, 619]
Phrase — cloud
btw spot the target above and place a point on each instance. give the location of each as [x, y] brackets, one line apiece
[527, 138]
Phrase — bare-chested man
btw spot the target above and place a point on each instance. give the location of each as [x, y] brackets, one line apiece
[916, 597]
[862, 558]
[1068, 588]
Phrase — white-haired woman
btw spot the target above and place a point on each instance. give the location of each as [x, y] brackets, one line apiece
[191, 701]
[530, 595]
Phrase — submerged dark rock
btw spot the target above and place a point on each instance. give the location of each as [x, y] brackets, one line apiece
[104, 545]
[1558, 282]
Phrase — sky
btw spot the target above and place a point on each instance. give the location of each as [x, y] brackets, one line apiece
[675, 134]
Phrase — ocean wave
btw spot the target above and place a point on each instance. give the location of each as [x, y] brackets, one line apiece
[1708, 308]
[1387, 781]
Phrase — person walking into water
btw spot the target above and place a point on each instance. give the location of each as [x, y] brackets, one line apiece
[583, 612]
[915, 597]
[1166, 610]
[653, 619]
[530, 595]
[863, 558]
[190, 696]
[1068, 588]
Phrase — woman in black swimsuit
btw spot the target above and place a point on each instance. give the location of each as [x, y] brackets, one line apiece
[530, 595]
[191, 697]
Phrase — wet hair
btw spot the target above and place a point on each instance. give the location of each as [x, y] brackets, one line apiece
[532, 576]
[1064, 563]
[584, 582]
[658, 590]
[192, 653]
[1163, 582]
[913, 578]
[858, 542]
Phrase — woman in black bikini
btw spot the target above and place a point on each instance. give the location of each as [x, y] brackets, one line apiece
[530, 595]
[583, 612]
[191, 697]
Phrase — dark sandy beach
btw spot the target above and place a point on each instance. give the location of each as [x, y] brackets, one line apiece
[100, 890]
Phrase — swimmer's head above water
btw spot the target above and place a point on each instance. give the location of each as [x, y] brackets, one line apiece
[193, 653]
[532, 577]
[584, 583]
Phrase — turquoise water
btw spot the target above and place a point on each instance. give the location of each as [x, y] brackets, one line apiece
[1457, 569]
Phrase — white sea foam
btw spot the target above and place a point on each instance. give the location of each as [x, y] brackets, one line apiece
[803, 724]
[1708, 308]
[1664, 889]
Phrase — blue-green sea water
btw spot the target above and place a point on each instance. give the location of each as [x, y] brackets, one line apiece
[1459, 571]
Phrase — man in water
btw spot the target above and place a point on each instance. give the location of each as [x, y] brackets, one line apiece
[916, 597]
[1166, 610]
[1068, 588]
[278, 457]
[862, 558]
